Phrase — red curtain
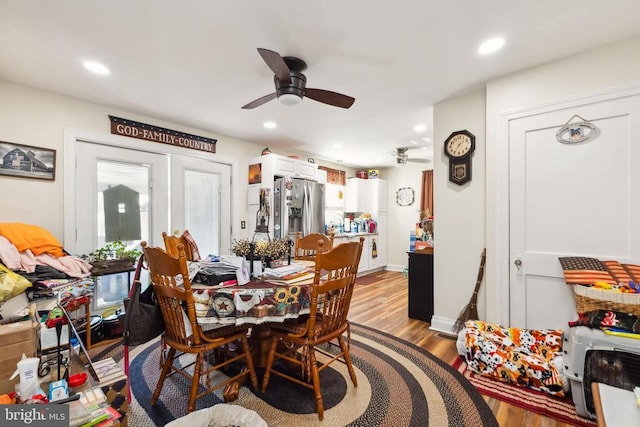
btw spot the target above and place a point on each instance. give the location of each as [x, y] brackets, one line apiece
[426, 195]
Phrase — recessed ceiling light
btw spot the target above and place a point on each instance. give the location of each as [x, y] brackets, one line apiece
[269, 125]
[96, 67]
[420, 128]
[491, 46]
[427, 139]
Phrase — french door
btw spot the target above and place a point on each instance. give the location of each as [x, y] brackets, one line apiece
[102, 216]
[200, 192]
[133, 195]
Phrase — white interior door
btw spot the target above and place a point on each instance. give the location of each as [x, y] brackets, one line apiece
[201, 202]
[570, 200]
[102, 167]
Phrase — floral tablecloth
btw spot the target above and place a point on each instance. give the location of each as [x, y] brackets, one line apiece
[253, 303]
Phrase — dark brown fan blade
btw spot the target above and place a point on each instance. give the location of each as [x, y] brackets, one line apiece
[258, 102]
[328, 97]
[276, 63]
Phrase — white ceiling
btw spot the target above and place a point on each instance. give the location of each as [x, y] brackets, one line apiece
[195, 62]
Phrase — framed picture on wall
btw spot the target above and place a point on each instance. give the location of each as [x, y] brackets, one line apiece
[255, 173]
[27, 161]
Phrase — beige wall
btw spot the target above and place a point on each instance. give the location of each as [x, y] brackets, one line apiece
[402, 219]
[459, 209]
[34, 117]
[457, 257]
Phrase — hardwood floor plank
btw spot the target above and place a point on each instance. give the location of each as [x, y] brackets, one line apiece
[383, 305]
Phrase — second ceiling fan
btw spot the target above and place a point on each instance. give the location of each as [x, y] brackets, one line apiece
[291, 83]
[401, 157]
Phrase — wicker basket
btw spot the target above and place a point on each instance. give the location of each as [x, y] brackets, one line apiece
[589, 299]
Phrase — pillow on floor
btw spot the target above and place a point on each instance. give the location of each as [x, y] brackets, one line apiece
[220, 415]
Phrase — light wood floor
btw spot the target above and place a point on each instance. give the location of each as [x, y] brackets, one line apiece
[383, 305]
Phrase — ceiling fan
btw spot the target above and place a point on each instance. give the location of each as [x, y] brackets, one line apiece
[291, 83]
[400, 157]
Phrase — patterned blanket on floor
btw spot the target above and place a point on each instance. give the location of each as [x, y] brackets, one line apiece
[524, 357]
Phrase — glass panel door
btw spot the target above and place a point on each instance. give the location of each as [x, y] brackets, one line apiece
[201, 203]
[121, 195]
[123, 202]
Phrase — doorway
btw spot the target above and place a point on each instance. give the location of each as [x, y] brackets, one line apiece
[568, 200]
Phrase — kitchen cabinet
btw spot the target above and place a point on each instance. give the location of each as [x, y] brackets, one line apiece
[421, 285]
[366, 195]
[334, 197]
[277, 165]
[380, 241]
[365, 257]
[368, 262]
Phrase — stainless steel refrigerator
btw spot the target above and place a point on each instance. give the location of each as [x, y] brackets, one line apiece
[298, 205]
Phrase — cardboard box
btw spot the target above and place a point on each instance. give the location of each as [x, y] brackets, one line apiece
[16, 338]
[422, 245]
[49, 337]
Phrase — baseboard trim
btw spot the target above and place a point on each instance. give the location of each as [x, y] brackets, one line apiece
[443, 325]
[392, 267]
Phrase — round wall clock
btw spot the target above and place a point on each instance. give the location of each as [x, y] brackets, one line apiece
[405, 196]
[459, 147]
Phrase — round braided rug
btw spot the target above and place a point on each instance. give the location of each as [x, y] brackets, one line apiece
[399, 384]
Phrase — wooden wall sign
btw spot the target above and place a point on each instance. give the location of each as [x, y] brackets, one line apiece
[147, 132]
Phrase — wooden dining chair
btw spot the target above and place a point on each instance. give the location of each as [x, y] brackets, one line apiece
[307, 246]
[170, 278]
[171, 243]
[294, 341]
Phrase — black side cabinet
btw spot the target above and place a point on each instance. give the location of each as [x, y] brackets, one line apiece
[421, 285]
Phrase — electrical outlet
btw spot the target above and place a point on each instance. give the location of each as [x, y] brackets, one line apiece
[243, 225]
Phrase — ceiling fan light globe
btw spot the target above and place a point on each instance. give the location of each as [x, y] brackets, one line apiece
[290, 99]
[401, 159]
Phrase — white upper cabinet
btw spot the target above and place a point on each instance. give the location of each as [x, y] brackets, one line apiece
[276, 165]
[366, 195]
[334, 196]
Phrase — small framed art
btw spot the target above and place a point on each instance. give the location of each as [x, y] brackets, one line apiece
[27, 161]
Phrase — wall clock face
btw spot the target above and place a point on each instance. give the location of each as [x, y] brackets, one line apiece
[459, 144]
[405, 196]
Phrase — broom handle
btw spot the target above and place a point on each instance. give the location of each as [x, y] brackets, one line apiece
[480, 271]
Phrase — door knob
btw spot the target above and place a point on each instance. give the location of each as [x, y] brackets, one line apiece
[518, 263]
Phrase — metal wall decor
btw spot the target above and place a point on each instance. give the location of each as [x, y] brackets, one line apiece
[405, 196]
[578, 131]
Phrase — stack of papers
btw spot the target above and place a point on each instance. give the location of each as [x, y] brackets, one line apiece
[285, 270]
[289, 274]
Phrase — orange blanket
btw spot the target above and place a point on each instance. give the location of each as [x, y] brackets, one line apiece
[26, 236]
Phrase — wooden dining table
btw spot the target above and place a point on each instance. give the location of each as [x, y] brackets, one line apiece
[254, 303]
[258, 303]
